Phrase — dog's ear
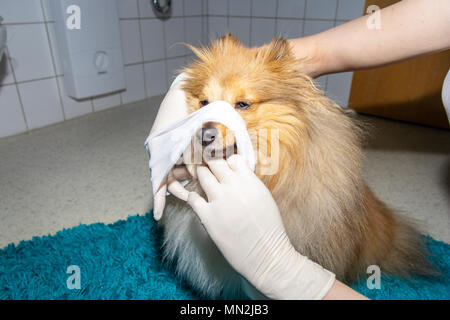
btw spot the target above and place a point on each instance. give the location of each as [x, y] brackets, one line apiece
[229, 38]
[223, 43]
[276, 50]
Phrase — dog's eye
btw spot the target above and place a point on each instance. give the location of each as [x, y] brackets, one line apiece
[242, 105]
[204, 102]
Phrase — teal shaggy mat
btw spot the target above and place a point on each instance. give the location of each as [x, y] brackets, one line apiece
[123, 261]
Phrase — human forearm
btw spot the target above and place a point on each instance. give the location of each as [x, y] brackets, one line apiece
[289, 281]
[340, 291]
[407, 29]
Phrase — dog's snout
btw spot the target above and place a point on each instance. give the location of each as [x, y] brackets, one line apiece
[207, 135]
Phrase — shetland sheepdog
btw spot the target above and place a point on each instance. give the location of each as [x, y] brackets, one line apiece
[329, 212]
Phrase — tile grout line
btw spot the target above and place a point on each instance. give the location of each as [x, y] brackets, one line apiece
[59, 75]
[165, 54]
[120, 93]
[251, 23]
[228, 16]
[273, 17]
[156, 18]
[32, 80]
[304, 18]
[276, 18]
[334, 24]
[16, 85]
[207, 19]
[336, 12]
[202, 22]
[184, 29]
[52, 57]
[190, 16]
[25, 23]
[141, 43]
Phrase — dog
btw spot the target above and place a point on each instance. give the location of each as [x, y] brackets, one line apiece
[329, 212]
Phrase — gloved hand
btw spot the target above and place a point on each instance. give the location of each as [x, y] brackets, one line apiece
[172, 108]
[243, 220]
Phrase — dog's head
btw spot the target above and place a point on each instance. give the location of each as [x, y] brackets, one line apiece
[314, 141]
[264, 85]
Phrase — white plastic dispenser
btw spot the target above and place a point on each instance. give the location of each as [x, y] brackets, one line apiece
[89, 46]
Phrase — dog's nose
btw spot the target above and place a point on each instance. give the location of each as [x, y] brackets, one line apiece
[207, 135]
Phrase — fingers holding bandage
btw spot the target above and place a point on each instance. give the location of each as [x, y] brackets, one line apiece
[172, 184]
[242, 218]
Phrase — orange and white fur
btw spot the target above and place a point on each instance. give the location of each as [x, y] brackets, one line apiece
[329, 212]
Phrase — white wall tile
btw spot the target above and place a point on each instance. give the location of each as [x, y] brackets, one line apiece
[218, 7]
[217, 27]
[192, 7]
[289, 28]
[155, 78]
[152, 39]
[73, 108]
[321, 9]
[6, 74]
[240, 7]
[174, 30]
[240, 27]
[177, 8]
[264, 8]
[134, 79]
[27, 45]
[131, 41]
[338, 87]
[106, 102]
[47, 12]
[17, 11]
[204, 7]
[205, 32]
[146, 9]
[127, 8]
[193, 31]
[11, 117]
[263, 31]
[291, 9]
[338, 23]
[173, 67]
[350, 9]
[316, 26]
[41, 102]
[54, 47]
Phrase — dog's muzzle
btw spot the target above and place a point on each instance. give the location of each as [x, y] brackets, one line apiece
[207, 135]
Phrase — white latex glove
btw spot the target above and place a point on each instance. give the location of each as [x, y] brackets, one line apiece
[172, 108]
[243, 220]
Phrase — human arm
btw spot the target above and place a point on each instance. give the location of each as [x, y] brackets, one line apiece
[340, 291]
[243, 220]
[408, 29]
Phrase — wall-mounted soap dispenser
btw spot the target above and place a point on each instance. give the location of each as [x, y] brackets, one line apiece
[89, 46]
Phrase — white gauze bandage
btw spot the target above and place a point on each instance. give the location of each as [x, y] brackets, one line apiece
[165, 146]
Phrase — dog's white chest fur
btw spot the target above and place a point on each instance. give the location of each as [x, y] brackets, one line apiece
[197, 258]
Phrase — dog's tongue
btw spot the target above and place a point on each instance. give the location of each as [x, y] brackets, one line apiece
[165, 146]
